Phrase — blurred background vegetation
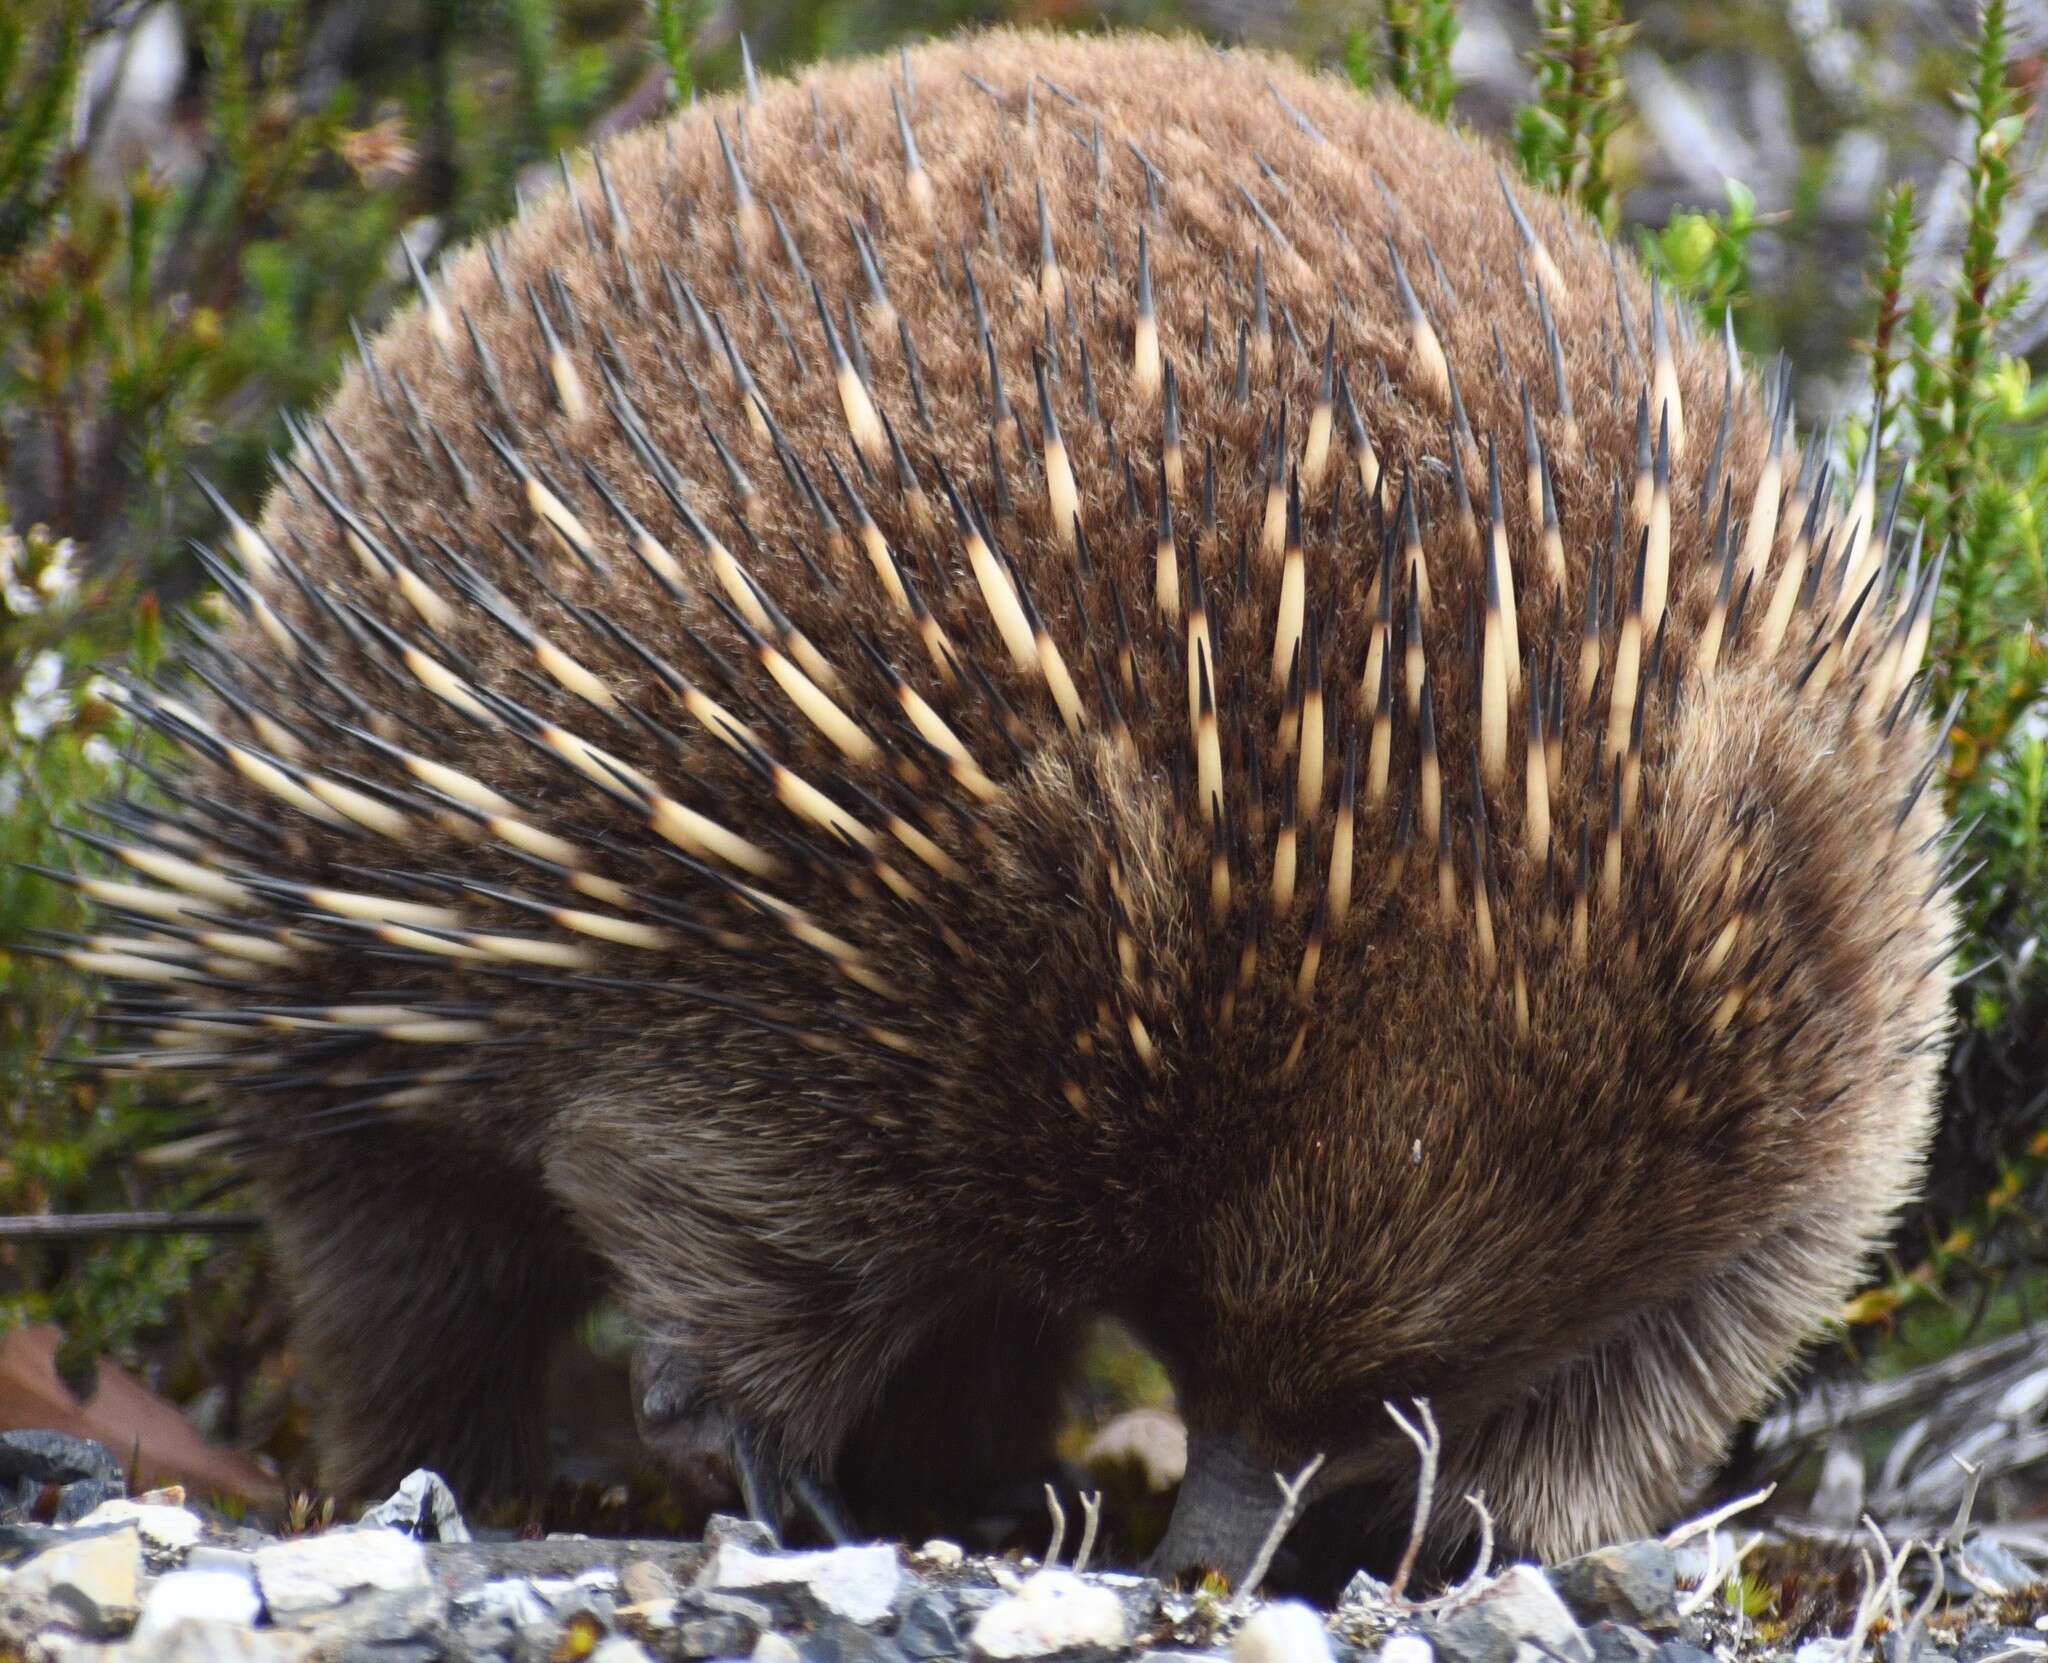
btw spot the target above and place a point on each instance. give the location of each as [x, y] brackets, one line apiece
[201, 199]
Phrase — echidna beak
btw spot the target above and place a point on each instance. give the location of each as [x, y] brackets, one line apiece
[1228, 1501]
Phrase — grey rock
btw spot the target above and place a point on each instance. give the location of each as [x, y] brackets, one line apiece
[310, 1573]
[773, 1648]
[85, 1473]
[1634, 1583]
[93, 1585]
[1141, 1595]
[1618, 1643]
[1986, 1566]
[620, 1648]
[737, 1605]
[1516, 1618]
[856, 1583]
[1055, 1612]
[1285, 1632]
[423, 1507]
[400, 1625]
[1982, 1640]
[57, 1458]
[722, 1528]
[466, 1564]
[1677, 1651]
[837, 1641]
[721, 1634]
[925, 1628]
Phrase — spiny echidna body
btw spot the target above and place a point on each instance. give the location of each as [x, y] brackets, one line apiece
[1053, 678]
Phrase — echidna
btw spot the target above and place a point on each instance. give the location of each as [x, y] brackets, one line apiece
[1051, 678]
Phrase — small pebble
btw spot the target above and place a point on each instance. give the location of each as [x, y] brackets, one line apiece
[1288, 1632]
[773, 1648]
[643, 1580]
[943, 1553]
[1406, 1648]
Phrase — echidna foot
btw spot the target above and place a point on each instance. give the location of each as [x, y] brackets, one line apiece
[714, 1456]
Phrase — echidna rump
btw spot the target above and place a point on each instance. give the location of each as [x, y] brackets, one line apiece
[1044, 679]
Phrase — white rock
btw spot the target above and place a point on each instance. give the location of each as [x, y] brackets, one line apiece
[1288, 1632]
[164, 1529]
[943, 1553]
[310, 1573]
[216, 1596]
[96, 1583]
[773, 1648]
[510, 1597]
[620, 1649]
[1406, 1648]
[857, 1583]
[195, 1640]
[1054, 1611]
[421, 1495]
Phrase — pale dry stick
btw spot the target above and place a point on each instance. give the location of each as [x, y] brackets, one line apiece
[1481, 1564]
[1973, 1474]
[1429, 1443]
[1710, 1581]
[1732, 1579]
[1909, 1643]
[1276, 1533]
[1720, 1516]
[1892, 1567]
[1091, 1518]
[1883, 1591]
[1059, 1527]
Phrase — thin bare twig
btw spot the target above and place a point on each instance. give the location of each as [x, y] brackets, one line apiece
[1720, 1516]
[1973, 1474]
[1429, 1444]
[1276, 1533]
[1091, 1518]
[1059, 1527]
[1481, 1564]
[1709, 1583]
[87, 1226]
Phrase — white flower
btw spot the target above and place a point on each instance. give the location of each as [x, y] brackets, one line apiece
[58, 579]
[43, 702]
[99, 751]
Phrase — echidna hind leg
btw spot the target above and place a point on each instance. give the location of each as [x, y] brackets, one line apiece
[431, 1286]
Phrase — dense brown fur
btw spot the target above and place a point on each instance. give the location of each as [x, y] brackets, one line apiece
[1589, 1199]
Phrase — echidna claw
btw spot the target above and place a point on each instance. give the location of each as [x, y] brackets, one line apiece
[708, 1451]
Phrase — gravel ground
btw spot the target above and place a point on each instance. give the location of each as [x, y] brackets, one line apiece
[117, 1579]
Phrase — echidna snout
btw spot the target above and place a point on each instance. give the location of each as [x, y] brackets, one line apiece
[1064, 677]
